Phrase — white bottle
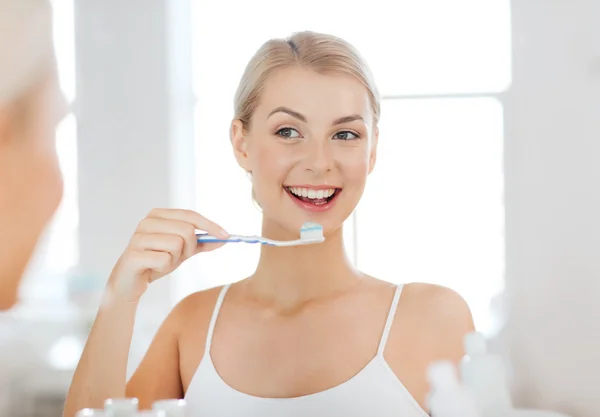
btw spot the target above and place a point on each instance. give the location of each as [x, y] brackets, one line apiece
[484, 375]
[121, 407]
[172, 408]
[448, 398]
[90, 412]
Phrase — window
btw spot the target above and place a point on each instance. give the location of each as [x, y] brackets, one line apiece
[46, 282]
[435, 198]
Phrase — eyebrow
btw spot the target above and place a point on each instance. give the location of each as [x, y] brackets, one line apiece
[302, 118]
[348, 119]
[289, 111]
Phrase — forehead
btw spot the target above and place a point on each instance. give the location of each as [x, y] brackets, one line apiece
[320, 97]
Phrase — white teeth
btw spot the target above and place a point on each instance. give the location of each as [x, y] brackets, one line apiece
[312, 193]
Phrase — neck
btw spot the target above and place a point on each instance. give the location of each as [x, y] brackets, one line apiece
[291, 276]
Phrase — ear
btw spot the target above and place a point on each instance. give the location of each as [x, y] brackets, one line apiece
[373, 155]
[240, 144]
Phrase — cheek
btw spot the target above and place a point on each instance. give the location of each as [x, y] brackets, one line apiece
[354, 166]
[272, 163]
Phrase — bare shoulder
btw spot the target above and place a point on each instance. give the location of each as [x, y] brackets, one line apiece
[430, 324]
[195, 308]
[195, 301]
[442, 315]
[436, 302]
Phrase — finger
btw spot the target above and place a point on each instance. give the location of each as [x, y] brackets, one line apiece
[199, 221]
[207, 247]
[173, 244]
[154, 260]
[184, 230]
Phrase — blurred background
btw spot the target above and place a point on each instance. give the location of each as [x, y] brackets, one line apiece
[486, 180]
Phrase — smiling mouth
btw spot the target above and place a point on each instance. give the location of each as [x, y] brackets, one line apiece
[312, 196]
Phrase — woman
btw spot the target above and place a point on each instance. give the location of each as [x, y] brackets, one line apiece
[31, 105]
[306, 333]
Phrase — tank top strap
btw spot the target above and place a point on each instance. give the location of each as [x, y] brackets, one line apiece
[213, 319]
[390, 319]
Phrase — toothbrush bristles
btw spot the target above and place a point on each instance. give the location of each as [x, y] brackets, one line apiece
[311, 231]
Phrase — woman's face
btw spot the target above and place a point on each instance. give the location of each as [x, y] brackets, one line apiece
[31, 184]
[310, 146]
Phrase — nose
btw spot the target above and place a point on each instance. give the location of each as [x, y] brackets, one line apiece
[320, 157]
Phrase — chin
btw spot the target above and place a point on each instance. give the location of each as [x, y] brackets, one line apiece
[288, 225]
[287, 215]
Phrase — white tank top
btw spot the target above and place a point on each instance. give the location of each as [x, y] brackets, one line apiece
[374, 391]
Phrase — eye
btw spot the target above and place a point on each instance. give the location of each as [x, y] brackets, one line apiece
[288, 132]
[346, 135]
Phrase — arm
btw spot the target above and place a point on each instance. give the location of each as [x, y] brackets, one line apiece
[158, 376]
[101, 371]
[161, 243]
[106, 356]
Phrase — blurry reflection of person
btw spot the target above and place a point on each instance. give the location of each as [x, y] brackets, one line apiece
[31, 106]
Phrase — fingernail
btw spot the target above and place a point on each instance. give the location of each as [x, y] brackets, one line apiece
[223, 233]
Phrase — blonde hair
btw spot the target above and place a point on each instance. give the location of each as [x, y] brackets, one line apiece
[325, 54]
[26, 47]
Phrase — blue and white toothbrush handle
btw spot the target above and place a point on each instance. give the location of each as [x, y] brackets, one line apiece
[309, 233]
[206, 238]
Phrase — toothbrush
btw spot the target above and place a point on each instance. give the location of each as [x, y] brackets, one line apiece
[309, 233]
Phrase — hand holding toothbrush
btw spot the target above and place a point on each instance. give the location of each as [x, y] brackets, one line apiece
[162, 241]
[168, 237]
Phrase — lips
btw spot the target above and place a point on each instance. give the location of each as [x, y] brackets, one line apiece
[314, 199]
